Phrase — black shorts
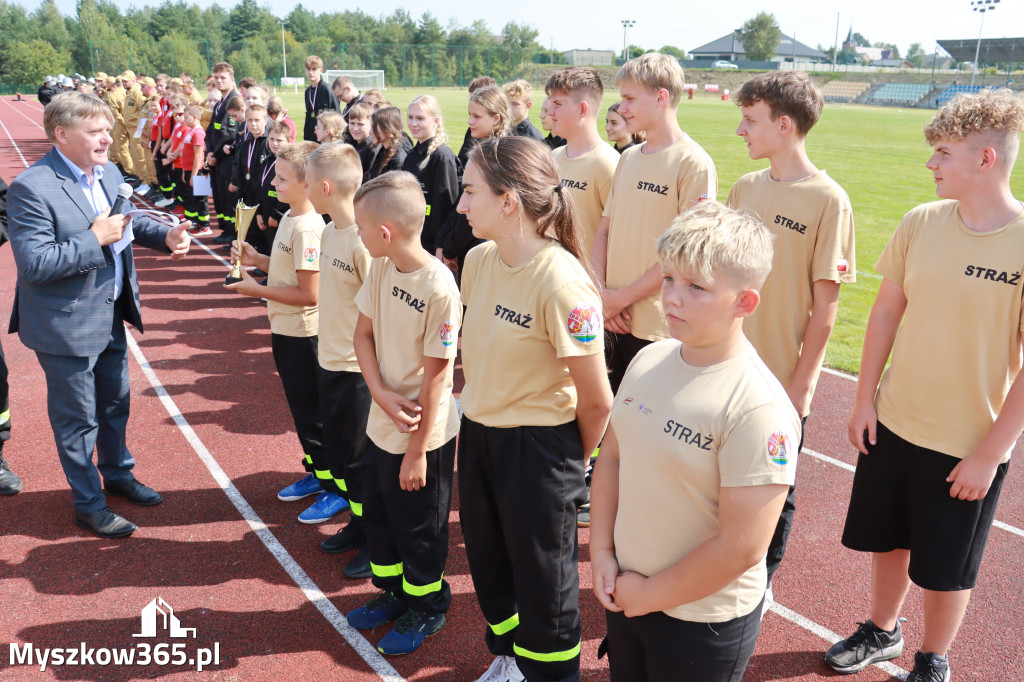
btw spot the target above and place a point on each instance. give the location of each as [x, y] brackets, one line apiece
[900, 500]
[657, 647]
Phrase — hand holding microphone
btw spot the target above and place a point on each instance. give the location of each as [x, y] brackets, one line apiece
[109, 225]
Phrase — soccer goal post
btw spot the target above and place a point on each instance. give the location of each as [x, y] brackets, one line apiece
[363, 80]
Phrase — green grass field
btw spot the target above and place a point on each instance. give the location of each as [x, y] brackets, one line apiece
[876, 153]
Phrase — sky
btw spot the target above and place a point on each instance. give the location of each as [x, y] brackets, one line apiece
[692, 24]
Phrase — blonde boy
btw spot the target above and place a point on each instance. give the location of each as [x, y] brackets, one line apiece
[935, 435]
[292, 293]
[334, 174]
[653, 184]
[689, 485]
[519, 93]
[811, 219]
[586, 163]
[405, 340]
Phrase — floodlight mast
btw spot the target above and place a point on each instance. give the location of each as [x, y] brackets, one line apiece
[980, 6]
[626, 23]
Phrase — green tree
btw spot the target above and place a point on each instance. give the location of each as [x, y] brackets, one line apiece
[760, 37]
[27, 62]
[673, 51]
[303, 24]
[860, 41]
[916, 55]
[429, 31]
[249, 20]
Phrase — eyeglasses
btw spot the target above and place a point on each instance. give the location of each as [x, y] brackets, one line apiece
[179, 113]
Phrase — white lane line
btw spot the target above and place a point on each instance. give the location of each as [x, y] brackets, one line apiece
[23, 114]
[872, 275]
[309, 588]
[851, 468]
[837, 373]
[830, 637]
[16, 148]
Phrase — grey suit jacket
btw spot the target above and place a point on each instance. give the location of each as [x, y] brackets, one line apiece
[64, 298]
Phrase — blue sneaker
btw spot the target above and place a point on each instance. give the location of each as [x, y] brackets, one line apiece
[383, 608]
[302, 488]
[410, 631]
[326, 505]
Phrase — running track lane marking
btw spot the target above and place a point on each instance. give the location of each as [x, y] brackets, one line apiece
[849, 467]
[309, 588]
[829, 636]
[16, 147]
[23, 114]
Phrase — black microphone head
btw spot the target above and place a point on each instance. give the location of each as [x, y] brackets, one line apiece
[125, 190]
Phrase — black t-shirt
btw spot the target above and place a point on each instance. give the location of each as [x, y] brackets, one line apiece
[439, 179]
[527, 129]
[317, 99]
[554, 141]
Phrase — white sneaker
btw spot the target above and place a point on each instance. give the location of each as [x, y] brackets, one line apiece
[142, 189]
[166, 201]
[503, 669]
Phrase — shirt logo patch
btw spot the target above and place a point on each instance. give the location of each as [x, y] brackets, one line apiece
[447, 333]
[842, 265]
[583, 323]
[778, 448]
[309, 254]
[703, 197]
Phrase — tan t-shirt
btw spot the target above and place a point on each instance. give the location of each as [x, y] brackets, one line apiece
[588, 178]
[296, 247]
[415, 315]
[958, 349]
[812, 221]
[648, 192]
[685, 433]
[344, 264]
[521, 325]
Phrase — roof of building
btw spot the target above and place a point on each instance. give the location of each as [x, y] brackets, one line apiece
[993, 50]
[730, 44]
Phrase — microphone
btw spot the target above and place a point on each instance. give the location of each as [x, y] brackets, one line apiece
[121, 203]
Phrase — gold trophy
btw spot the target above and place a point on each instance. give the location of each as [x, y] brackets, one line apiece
[243, 216]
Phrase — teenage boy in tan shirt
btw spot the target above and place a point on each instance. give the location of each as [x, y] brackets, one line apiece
[652, 185]
[935, 435]
[406, 341]
[812, 221]
[334, 173]
[586, 163]
[695, 466]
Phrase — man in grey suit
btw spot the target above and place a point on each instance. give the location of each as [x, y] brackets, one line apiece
[76, 288]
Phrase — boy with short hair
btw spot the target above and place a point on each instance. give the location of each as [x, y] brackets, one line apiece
[334, 174]
[519, 102]
[405, 340]
[942, 423]
[652, 185]
[345, 91]
[551, 140]
[251, 157]
[586, 164]
[271, 208]
[292, 293]
[219, 132]
[318, 97]
[357, 133]
[812, 221]
[682, 515]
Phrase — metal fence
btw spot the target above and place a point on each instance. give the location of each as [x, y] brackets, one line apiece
[264, 60]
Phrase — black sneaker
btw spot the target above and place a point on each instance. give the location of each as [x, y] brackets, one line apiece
[929, 668]
[345, 540]
[583, 516]
[359, 566]
[225, 238]
[869, 644]
[9, 481]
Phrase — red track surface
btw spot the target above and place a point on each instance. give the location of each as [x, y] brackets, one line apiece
[60, 586]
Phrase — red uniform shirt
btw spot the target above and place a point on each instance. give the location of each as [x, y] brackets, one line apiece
[177, 138]
[193, 138]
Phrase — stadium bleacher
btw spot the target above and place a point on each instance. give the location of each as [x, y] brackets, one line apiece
[907, 94]
[844, 91]
[954, 90]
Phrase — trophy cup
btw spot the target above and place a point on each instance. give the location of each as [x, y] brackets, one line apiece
[243, 216]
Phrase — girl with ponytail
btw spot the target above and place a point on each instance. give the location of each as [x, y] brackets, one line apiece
[433, 164]
[526, 436]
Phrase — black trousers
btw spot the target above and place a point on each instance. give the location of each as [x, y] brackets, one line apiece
[344, 408]
[298, 367]
[195, 207]
[164, 174]
[619, 351]
[658, 647]
[5, 405]
[777, 548]
[518, 493]
[223, 200]
[407, 530]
